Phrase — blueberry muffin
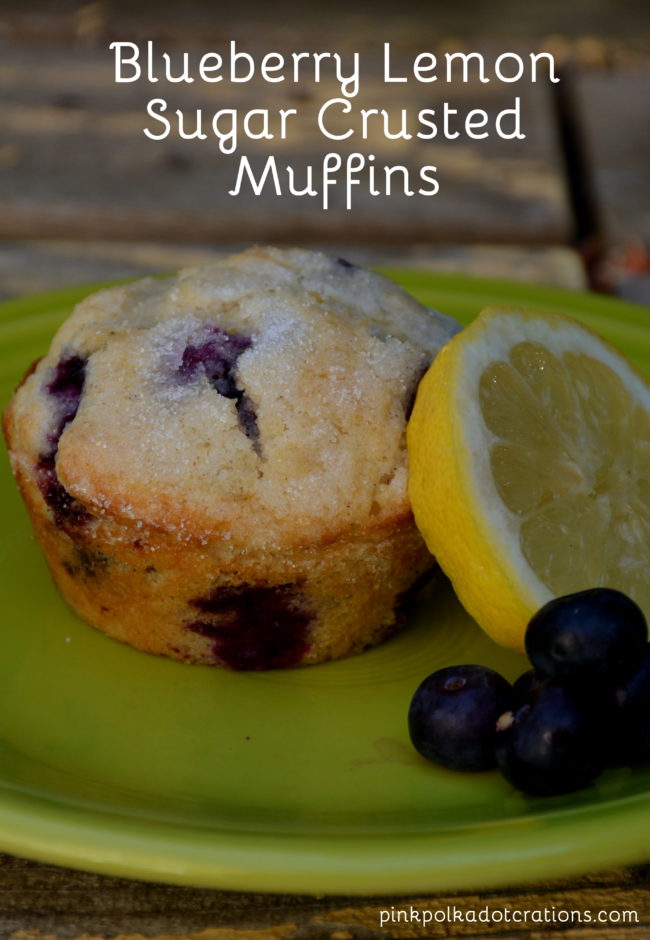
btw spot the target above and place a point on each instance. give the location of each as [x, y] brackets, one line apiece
[215, 463]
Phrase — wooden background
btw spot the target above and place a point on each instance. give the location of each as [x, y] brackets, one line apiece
[85, 196]
[569, 204]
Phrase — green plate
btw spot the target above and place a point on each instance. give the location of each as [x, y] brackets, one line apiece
[289, 781]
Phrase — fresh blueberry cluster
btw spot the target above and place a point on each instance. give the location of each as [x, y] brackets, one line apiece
[584, 706]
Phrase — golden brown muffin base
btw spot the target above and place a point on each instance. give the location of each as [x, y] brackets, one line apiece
[209, 601]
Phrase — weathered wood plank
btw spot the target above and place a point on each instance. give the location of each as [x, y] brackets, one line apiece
[581, 20]
[74, 160]
[30, 267]
[42, 901]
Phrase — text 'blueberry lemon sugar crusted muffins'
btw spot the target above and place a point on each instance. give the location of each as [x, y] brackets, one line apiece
[215, 463]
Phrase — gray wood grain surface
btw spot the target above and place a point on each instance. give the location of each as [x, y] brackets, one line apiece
[74, 160]
[35, 265]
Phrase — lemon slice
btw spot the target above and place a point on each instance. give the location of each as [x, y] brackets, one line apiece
[529, 453]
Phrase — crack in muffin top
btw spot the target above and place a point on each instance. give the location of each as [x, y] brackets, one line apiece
[261, 398]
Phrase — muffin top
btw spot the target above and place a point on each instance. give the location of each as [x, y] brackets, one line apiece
[262, 398]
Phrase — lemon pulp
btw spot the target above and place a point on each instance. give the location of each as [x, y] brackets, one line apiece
[569, 458]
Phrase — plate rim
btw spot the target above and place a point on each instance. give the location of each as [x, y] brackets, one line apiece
[155, 850]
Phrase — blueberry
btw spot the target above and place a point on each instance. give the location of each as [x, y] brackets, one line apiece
[453, 714]
[527, 682]
[551, 742]
[68, 377]
[631, 740]
[216, 353]
[586, 635]
[253, 627]
[65, 387]
[65, 508]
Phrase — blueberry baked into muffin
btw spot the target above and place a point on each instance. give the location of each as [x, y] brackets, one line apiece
[215, 463]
